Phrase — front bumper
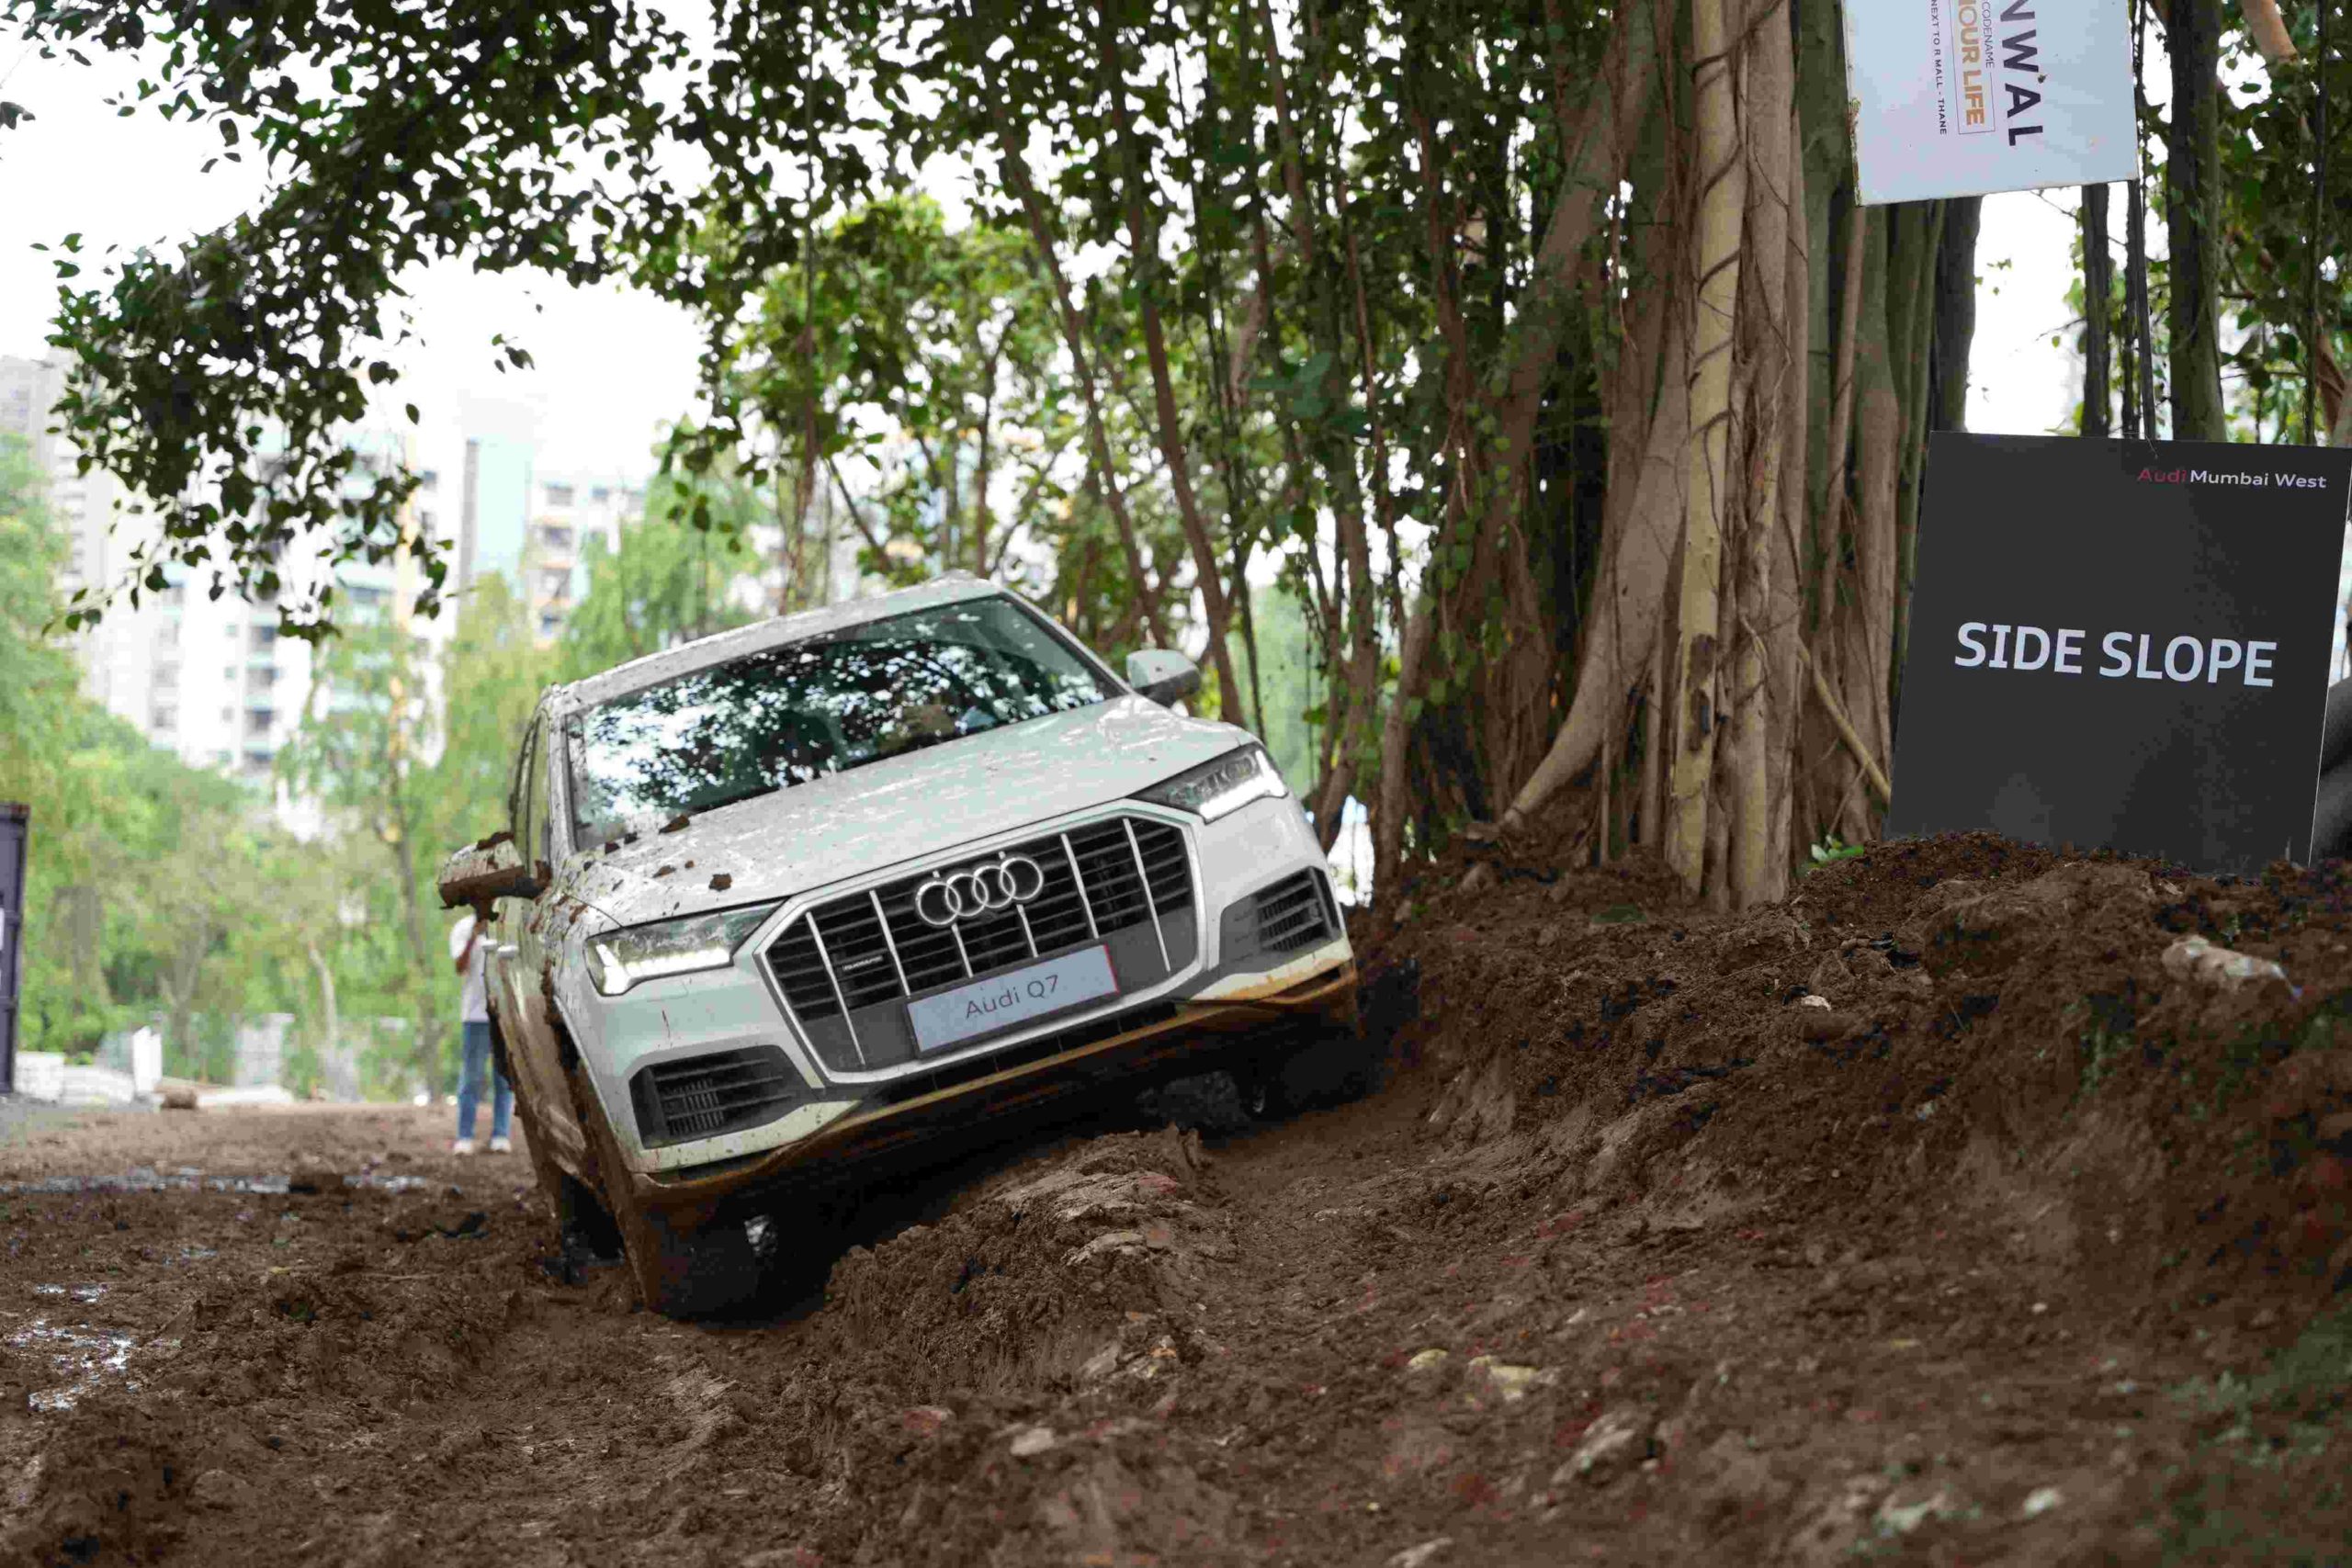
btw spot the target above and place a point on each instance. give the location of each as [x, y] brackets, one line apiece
[1174, 1041]
[738, 1019]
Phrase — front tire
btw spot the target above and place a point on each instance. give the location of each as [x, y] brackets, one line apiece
[584, 1230]
[680, 1269]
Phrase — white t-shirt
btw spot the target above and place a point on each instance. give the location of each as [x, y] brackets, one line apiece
[473, 1002]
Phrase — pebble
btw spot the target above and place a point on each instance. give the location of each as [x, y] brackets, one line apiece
[924, 1420]
[1619, 1437]
[1035, 1440]
[2192, 957]
[1426, 1361]
[2042, 1500]
[1512, 1382]
[1415, 1556]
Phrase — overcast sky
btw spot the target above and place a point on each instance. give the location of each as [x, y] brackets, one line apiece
[612, 364]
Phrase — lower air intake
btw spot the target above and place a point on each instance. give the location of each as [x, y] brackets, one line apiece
[704, 1097]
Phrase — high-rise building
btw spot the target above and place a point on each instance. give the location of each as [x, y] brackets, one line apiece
[568, 511]
[208, 677]
[83, 506]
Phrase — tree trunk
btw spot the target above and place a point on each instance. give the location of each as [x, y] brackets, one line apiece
[1955, 313]
[1103, 477]
[1757, 710]
[2192, 220]
[1695, 695]
[1878, 436]
[1144, 249]
[326, 994]
[2098, 284]
[1629, 591]
[1784, 632]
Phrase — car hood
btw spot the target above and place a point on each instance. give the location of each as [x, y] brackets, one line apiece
[884, 813]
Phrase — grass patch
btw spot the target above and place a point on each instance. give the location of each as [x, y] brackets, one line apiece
[2271, 1432]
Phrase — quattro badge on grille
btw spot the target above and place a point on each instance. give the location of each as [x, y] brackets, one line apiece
[983, 889]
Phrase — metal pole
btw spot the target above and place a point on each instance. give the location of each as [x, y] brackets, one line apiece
[15, 848]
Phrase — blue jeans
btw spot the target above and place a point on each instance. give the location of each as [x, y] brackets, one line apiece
[473, 1066]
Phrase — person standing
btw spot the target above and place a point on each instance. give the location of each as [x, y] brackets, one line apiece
[466, 938]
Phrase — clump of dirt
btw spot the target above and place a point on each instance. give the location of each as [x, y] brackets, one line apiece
[1028, 1279]
[111, 1487]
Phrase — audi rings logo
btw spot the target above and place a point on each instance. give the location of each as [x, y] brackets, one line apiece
[979, 890]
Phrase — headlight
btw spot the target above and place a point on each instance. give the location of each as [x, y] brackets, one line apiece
[1226, 785]
[618, 960]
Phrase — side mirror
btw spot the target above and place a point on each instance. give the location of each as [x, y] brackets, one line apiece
[481, 874]
[1162, 674]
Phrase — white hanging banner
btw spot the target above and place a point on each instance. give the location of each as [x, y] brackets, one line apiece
[1964, 97]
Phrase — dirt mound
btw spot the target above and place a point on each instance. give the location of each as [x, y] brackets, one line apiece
[1959, 1027]
[1960, 1209]
[1028, 1281]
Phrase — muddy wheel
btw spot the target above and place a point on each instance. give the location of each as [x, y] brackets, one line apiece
[583, 1227]
[681, 1271]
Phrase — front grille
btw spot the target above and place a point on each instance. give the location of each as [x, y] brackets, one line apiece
[1126, 882]
[702, 1097]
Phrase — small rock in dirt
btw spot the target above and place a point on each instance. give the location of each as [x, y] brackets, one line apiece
[1108, 1242]
[1416, 1556]
[1513, 1383]
[1620, 1439]
[1031, 1441]
[1810, 1000]
[1426, 1361]
[219, 1489]
[924, 1420]
[179, 1097]
[2041, 1500]
[1901, 1518]
[2194, 958]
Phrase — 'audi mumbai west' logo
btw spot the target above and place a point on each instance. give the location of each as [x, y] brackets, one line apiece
[978, 889]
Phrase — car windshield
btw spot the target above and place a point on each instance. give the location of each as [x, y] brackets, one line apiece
[785, 716]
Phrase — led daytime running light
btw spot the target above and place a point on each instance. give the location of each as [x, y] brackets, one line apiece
[619, 959]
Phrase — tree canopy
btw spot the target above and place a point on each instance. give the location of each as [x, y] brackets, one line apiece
[1541, 343]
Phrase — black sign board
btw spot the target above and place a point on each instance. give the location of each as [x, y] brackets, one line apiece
[14, 822]
[2123, 645]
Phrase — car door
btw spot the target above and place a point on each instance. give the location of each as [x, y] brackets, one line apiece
[525, 1012]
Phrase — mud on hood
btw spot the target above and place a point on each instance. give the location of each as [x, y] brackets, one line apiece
[874, 817]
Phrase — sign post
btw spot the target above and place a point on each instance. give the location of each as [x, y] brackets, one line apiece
[15, 822]
[1965, 98]
[2122, 644]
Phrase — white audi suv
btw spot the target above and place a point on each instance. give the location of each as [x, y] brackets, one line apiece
[865, 881]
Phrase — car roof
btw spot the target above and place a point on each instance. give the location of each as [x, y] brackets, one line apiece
[653, 669]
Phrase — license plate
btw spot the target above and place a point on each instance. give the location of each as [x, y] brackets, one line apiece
[1005, 1001]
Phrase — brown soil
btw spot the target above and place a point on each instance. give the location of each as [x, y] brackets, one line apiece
[2024, 1249]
